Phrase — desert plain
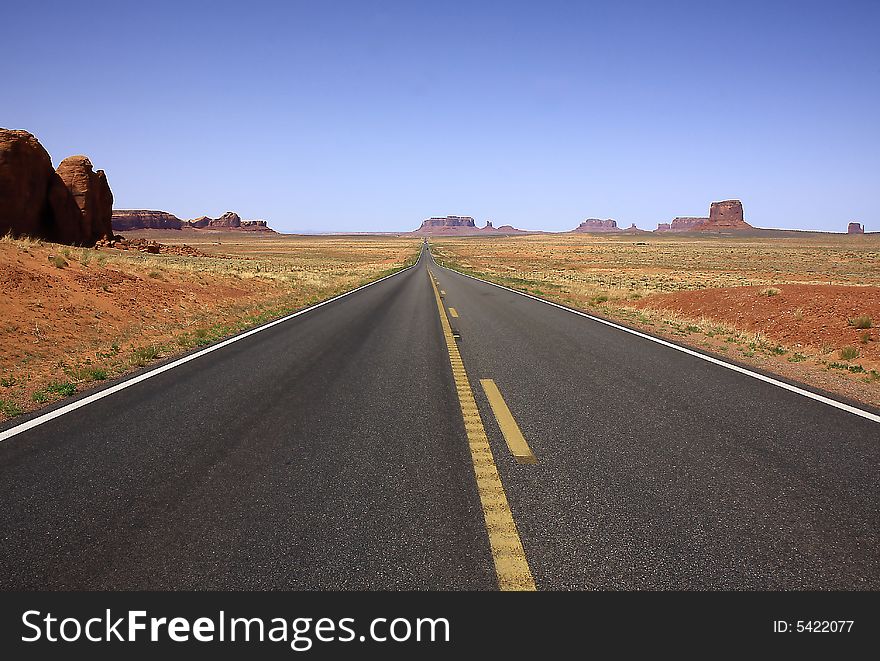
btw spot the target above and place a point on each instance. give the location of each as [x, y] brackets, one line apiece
[801, 305]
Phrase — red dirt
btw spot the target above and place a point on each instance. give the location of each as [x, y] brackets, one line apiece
[810, 316]
[52, 319]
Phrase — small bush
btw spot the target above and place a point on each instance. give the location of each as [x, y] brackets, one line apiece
[797, 358]
[9, 409]
[156, 275]
[862, 321]
[849, 353]
[8, 382]
[770, 291]
[143, 355]
[865, 338]
[63, 389]
[59, 262]
[96, 374]
[40, 397]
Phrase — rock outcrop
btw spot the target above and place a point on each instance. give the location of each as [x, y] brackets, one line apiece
[25, 175]
[448, 225]
[597, 225]
[681, 224]
[229, 219]
[92, 195]
[71, 205]
[137, 219]
[725, 215]
[461, 226]
[855, 228]
[256, 226]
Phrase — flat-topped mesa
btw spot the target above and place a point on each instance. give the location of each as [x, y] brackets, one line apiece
[681, 224]
[725, 215]
[449, 221]
[855, 228]
[597, 225]
[136, 219]
[448, 225]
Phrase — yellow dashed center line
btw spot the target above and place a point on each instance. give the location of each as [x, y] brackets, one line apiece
[453, 312]
[516, 442]
[511, 565]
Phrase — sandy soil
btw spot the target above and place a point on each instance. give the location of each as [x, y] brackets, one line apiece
[818, 319]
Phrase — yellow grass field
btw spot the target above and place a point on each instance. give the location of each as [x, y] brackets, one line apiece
[802, 305]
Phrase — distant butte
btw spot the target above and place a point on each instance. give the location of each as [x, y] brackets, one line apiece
[855, 228]
[725, 216]
[596, 225]
[137, 219]
[460, 226]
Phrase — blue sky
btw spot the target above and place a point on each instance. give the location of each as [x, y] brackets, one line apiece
[374, 115]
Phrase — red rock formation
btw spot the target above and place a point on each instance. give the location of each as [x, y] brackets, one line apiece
[855, 228]
[25, 175]
[136, 219]
[460, 226]
[596, 225]
[681, 224]
[448, 225]
[228, 219]
[92, 195]
[726, 215]
[70, 205]
[256, 226]
[723, 216]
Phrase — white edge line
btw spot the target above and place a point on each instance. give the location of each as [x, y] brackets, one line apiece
[711, 359]
[94, 397]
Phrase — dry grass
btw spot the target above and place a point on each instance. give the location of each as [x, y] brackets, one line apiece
[109, 311]
[613, 275]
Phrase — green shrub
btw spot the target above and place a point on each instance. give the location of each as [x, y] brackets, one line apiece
[9, 409]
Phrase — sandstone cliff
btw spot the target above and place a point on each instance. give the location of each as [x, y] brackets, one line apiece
[135, 219]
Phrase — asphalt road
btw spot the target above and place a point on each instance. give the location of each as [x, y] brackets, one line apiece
[330, 452]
